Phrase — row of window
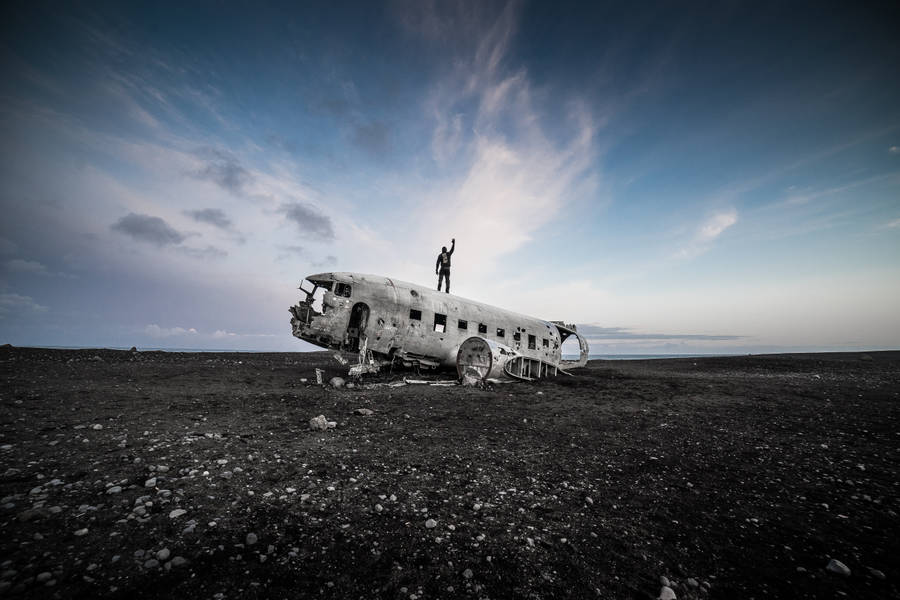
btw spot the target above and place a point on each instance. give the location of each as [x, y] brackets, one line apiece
[440, 325]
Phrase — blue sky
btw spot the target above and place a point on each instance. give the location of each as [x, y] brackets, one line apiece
[719, 177]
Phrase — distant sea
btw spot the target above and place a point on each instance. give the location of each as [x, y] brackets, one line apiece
[640, 356]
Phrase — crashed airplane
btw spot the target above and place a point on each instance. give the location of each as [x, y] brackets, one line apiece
[393, 322]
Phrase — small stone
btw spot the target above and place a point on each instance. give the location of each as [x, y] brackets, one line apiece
[42, 577]
[81, 532]
[836, 566]
[227, 475]
[468, 574]
[877, 574]
[252, 539]
[364, 412]
[116, 489]
[177, 513]
[97, 427]
[337, 382]
[36, 490]
[178, 561]
[162, 469]
[163, 554]
[430, 524]
[664, 581]
[667, 593]
[378, 508]
[151, 564]
[692, 582]
[150, 482]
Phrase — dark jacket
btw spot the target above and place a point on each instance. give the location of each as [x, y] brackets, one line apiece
[443, 259]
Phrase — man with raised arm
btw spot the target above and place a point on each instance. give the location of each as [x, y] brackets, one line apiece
[442, 266]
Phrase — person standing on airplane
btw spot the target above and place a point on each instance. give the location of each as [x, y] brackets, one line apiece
[442, 266]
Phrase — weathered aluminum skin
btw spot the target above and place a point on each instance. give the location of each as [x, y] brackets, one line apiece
[389, 332]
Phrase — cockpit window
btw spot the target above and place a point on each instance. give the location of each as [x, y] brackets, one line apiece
[342, 289]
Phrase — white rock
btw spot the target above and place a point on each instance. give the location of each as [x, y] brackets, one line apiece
[430, 524]
[364, 412]
[337, 382]
[177, 513]
[666, 593]
[116, 489]
[378, 508]
[150, 482]
[81, 532]
[163, 554]
[251, 539]
[836, 566]
[97, 427]
[468, 574]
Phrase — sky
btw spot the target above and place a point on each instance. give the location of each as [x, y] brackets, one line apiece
[695, 177]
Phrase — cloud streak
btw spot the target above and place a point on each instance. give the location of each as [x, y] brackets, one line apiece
[147, 228]
[308, 220]
[223, 169]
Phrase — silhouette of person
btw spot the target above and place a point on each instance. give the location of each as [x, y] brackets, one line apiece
[442, 266]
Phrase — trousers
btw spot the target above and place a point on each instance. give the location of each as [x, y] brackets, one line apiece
[444, 274]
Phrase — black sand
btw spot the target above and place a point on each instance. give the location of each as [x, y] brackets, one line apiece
[742, 475]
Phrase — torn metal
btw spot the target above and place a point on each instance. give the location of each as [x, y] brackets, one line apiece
[389, 322]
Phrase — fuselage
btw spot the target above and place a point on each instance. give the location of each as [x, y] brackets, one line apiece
[347, 311]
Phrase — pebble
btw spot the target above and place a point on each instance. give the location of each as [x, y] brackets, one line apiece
[468, 574]
[81, 532]
[430, 524]
[163, 554]
[150, 482]
[251, 539]
[97, 427]
[337, 382]
[876, 573]
[151, 564]
[667, 593]
[116, 489]
[177, 513]
[836, 566]
[365, 412]
[692, 582]
[178, 561]
[664, 581]
[42, 577]
[378, 508]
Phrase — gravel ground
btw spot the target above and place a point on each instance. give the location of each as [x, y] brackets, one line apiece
[157, 475]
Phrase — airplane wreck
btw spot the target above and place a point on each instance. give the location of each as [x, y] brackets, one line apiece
[391, 322]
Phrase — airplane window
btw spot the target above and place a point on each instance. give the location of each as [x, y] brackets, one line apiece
[532, 342]
[546, 343]
[462, 324]
[482, 328]
[517, 336]
[342, 289]
[440, 322]
[501, 332]
[415, 315]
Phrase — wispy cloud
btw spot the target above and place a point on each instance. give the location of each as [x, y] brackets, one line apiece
[706, 233]
[20, 265]
[207, 253]
[147, 228]
[15, 304]
[309, 220]
[155, 331]
[212, 216]
[223, 169]
[892, 224]
[894, 149]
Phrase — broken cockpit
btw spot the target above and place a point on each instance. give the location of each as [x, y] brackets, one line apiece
[322, 315]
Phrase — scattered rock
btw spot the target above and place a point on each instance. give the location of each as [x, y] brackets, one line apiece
[692, 582]
[836, 566]
[320, 423]
[251, 539]
[150, 482]
[337, 382]
[179, 561]
[81, 532]
[667, 593]
[877, 574]
[664, 581]
[177, 513]
[116, 489]
[430, 524]
[365, 412]
[163, 554]
[151, 564]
